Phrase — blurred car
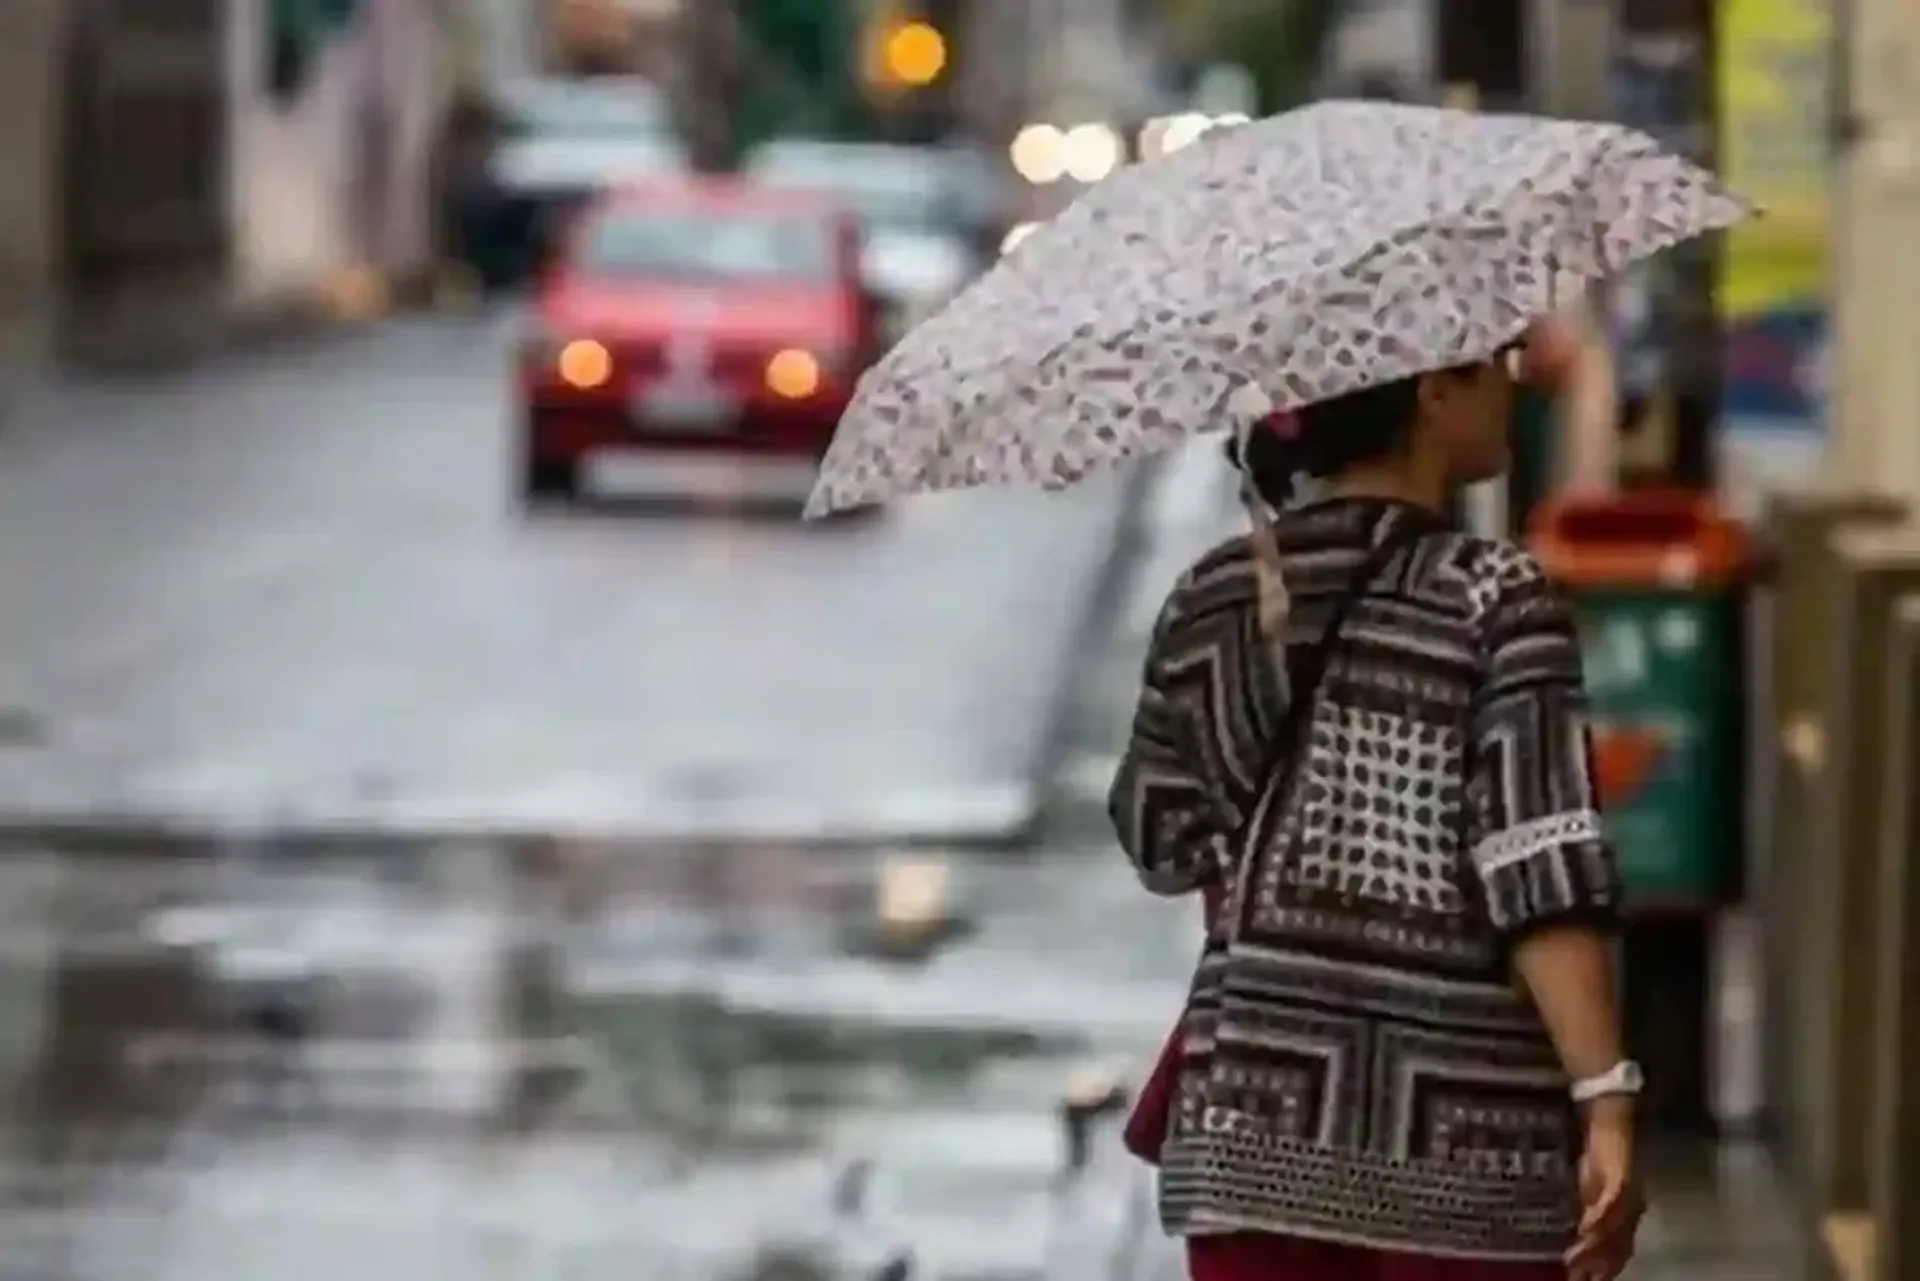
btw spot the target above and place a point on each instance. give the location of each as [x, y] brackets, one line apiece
[920, 209]
[705, 333]
[561, 142]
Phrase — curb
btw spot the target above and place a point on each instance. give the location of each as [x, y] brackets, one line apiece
[173, 333]
[309, 313]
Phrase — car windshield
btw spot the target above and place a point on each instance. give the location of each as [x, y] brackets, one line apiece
[587, 110]
[582, 164]
[700, 244]
[887, 190]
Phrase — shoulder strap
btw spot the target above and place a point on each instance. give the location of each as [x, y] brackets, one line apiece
[1306, 677]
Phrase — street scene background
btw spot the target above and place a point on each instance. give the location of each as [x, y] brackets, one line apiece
[447, 831]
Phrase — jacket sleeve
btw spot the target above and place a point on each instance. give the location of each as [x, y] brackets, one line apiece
[1534, 829]
[1167, 818]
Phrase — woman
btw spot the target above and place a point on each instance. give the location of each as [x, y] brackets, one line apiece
[1401, 1053]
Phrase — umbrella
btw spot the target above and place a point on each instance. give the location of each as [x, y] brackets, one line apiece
[1267, 266]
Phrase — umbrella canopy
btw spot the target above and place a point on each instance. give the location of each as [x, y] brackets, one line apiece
[1267, 266]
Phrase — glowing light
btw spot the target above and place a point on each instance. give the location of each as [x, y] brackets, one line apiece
[915, 54]
[585, 364]
[1039, 154]
[1091, 152]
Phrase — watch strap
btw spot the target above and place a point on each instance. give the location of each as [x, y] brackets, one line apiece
[1624, 1077]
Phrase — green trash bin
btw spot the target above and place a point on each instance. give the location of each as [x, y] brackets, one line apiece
[1658, 581]
[1533, 440]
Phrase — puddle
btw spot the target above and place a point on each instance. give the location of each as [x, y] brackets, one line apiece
[269, 1066]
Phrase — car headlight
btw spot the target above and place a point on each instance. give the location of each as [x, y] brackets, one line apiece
[582, 363]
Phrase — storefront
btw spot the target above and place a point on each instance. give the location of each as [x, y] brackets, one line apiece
[143, 164]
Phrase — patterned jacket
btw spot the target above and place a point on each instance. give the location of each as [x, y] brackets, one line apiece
[1360, 1066]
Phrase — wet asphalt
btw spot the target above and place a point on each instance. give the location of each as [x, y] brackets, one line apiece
[292, 590]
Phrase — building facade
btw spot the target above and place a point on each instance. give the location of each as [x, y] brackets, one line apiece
[334, 175]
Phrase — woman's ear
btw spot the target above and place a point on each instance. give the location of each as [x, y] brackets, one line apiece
[1431, 393]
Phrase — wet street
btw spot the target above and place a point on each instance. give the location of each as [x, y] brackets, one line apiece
[417, 1037]
[287, 1075]
[290, 590]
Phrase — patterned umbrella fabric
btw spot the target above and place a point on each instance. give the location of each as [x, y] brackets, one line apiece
[1264, 267]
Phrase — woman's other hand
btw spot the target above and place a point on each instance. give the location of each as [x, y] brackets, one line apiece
[1568, 357]
[1550, 353]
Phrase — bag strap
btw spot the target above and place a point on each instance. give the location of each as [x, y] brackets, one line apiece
[1311, 670]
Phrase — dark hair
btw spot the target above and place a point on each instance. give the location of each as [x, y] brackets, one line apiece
[1362, 426]
[1328, 437]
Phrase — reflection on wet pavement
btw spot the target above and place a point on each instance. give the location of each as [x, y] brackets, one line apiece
[460, 1063]
[482, 1063]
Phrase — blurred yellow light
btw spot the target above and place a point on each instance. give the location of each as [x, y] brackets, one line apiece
[1039, 154]
[915, 54]
[793, 374]
[1016, 234]
[1091, 151]
[585, 364]
[1232, 120]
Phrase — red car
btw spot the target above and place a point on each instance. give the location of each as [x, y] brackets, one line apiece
[698, 340]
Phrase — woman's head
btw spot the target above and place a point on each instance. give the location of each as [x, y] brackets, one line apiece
[1445, 428]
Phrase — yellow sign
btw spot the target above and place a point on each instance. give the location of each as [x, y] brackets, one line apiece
[1775, 75]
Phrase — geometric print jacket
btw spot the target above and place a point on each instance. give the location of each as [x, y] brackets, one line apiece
[1357, 1062]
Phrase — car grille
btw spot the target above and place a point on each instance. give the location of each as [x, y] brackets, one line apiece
[727, 365]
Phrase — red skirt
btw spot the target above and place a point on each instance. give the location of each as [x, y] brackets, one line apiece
[1249, 1257]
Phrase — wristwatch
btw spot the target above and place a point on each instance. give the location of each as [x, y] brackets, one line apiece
[1624, 1077]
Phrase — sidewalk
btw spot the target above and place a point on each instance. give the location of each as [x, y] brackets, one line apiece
[177, 330]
